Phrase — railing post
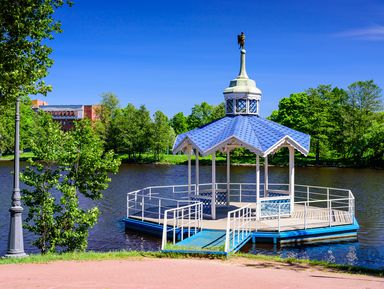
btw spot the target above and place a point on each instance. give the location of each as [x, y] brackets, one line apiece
[142, 208]
[330, 213]
[307, 193]
[127, 206]
[159, 210]
[189, 222]
[201, 216]
[239, 227]
[278, 221]
[240, 192]
[305, 215]
[226, 249]
[196, 207]
[164, 241]
[353, 210]
[150, 193]
[182, 225]
[174, 227]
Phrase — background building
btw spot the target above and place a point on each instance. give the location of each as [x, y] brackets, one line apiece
[67, 114]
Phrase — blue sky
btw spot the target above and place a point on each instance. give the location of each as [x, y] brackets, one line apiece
[170, 55]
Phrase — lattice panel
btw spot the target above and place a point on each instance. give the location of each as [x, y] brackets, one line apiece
[206, 203]
[230, 106]
[221, 198]
[241, 106]
[253, 106]
[271, 208]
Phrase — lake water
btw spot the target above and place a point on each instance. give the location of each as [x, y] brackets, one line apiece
[109, 234]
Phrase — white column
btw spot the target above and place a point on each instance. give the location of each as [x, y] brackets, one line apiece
[213, 200]
[197, 174]
[189, 170]
[228, 176]
[265, 176]
[292, 176]
[258, 207]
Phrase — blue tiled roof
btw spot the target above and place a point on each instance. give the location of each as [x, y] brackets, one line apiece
[253, 132]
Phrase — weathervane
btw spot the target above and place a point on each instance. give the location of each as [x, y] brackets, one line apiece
[241, 40]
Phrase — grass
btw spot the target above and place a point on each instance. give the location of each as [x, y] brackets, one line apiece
[170, 246]
[23, 156]
[123, 255]
[166, 159]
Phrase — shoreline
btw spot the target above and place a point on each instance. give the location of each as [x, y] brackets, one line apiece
[171, 160]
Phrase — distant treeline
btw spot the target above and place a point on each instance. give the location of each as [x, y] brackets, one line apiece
[346, 125]
[132, 131]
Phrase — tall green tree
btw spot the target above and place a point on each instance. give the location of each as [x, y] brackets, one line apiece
[25, 27]
[106, 112]
[179, 123]
[143, 136]
[162, 136]
[204, 113]
[7, 126]
[69, 164]
[364, 100]
[124, 130]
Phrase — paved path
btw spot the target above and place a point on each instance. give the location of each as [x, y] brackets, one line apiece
[177, 274]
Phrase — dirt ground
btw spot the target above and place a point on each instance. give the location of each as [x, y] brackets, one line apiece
[177, 273]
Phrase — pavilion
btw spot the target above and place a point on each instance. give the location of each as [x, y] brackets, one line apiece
[220, 218]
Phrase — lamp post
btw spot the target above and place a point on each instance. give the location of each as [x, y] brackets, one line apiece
[15, 237]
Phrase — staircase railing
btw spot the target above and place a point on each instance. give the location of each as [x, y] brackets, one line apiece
[185, 220]
[239, 225]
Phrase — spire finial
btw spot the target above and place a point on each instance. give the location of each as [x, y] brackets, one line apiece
[241, 42]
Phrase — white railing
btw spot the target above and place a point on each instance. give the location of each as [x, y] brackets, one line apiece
[313, 206]
[148, 205]
[239, 226]
[185, 220]
[323, 207]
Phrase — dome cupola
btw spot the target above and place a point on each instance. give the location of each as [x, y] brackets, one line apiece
[242, 96]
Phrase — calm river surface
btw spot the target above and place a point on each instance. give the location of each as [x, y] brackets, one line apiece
[109, 234]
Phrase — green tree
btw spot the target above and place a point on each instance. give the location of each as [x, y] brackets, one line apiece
[162, 136]
[143, 130]
[204, 113]
[7, 126]
[106, 112]
[25, 27]
[179, 123]
[131, 130]
[69, 164]
[374, 153]
[364, 100]
[124, 129]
